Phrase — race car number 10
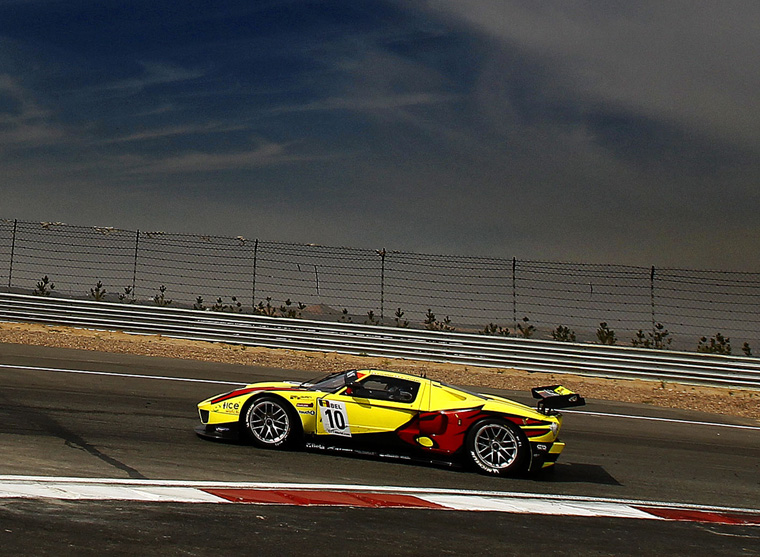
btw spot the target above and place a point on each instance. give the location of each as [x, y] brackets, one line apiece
[334, 417]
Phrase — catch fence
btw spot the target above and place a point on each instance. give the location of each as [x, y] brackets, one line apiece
[383, 286]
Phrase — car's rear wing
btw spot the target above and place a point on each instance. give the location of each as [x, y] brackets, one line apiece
[555, 396]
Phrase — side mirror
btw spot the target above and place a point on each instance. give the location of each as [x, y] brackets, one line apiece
[351, 378]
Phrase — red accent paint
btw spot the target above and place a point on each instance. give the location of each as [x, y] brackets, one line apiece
[448, 428]
[693, 515]
[322, 498]
[433, 423]
[241, 392]
[531, 421]
[522, 422]
[535, 432]
[450, 439]
[514, 419]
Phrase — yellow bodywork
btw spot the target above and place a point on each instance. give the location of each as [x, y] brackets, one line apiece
[323, 413]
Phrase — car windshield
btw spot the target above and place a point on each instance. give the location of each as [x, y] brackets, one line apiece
[327, 384]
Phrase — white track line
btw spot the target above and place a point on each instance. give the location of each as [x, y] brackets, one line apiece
[652, 418]
[237, 384]
[123, 375]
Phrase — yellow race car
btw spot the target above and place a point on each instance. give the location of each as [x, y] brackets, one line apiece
[385, 413]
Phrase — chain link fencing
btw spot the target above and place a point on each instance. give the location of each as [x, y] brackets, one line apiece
[645, 306]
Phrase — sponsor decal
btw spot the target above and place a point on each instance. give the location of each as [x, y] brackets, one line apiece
[334, 417]
[304, 405]
[312, 445]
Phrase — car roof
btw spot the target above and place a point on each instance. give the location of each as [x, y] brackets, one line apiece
[396, 374]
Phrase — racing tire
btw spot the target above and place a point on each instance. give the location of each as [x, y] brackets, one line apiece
[271, 423]
[497, 448]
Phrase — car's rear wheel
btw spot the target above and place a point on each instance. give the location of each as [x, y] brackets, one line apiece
[271, 423]
[497, 448]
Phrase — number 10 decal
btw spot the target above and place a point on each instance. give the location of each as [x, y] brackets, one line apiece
[334, 417]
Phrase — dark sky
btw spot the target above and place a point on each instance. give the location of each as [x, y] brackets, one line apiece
[608, 132]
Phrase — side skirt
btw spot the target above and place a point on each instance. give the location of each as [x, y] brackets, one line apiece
[363, 452]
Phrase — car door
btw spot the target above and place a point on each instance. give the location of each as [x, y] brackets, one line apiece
[374, 404]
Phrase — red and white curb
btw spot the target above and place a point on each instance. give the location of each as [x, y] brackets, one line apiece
[160, 491]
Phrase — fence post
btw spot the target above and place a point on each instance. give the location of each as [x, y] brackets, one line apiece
[253, 279]
[134, 267]
[514, 292]
[13, 250]
[382, 253]
[651, 298]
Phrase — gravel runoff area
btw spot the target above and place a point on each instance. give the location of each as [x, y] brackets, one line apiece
[743, 403]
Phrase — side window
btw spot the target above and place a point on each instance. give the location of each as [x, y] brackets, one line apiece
[387, 388]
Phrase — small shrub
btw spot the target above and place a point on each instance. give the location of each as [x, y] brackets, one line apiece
[286, 310]
[714, 345]
[98, 293]
[640, 340]
[127, 297]
[445, 325]
[493, 329]
[429, 319]
[234, 307]
[266, 309]
[160, 299]
[563, 334]
[526, 330]
[199, 305]
[400, 322]
[44, 287]
[605, 335]
[433, 324]
[658, 340]
[746, 349]
[371, 320]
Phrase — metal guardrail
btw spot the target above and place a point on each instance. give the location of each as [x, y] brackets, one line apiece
[531, 355]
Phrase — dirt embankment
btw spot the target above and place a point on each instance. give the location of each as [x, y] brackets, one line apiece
[743, 403]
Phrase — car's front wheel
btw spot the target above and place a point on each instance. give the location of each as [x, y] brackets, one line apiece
[496, 447]
[271, 423]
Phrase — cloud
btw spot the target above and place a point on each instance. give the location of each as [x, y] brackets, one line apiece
[178, 131]
[146, 76]
[24, 122]
[154, 73]
[371, 103]
[265, 154]
[612, 133]
[695, 63]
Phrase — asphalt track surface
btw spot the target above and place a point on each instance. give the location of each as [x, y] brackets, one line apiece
[134, 418]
